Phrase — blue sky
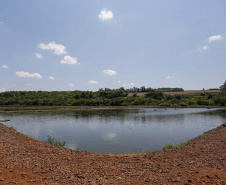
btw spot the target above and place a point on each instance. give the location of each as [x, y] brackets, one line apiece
[87, 45]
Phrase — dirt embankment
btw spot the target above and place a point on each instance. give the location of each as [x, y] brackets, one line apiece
[27, 161]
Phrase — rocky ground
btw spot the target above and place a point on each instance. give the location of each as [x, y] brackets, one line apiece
[27, 161]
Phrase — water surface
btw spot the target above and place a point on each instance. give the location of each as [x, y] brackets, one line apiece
[118, 131]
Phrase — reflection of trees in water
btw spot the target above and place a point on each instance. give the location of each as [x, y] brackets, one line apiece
[158, 119]
[221, 112]
[123, 116]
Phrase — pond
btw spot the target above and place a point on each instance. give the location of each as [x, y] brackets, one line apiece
[118, 130]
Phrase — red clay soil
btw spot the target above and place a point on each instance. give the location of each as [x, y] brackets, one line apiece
[27, 161]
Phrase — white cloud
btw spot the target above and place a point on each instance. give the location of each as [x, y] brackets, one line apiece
[29, 75]
[71, 84]
[105, 15]
[69, 60]
[51, 77]
[119, 81]
[57, 48]
[1, 22]
[131, 84]
[170, 77]
[38, 55]
[93, 82]
[215, 38]
[109, 72]
[204, 48]
[28, 84]
[2, 89]
[5, 66]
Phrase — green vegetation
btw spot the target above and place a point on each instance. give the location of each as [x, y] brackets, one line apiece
[54, 141]
[108, 97]
[202, 135]
[13, 128]
[170, 145]
[79, 150]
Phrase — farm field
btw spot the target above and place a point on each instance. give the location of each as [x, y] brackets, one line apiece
[187, 92]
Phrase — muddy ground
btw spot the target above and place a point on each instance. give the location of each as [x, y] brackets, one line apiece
[27, 161]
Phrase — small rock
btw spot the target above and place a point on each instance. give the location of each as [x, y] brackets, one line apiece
[23, 175]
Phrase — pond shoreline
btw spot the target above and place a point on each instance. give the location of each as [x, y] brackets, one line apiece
[27, 161]
[21, 108]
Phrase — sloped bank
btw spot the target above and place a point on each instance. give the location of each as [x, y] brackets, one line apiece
[27, 161]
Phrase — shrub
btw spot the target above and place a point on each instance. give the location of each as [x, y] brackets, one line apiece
[54, 141]
[183, 104]
[170, 145]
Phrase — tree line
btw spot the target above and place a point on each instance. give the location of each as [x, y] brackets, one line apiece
[115, 97]
[144, 89]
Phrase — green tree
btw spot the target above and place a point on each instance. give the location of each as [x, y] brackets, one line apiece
[223, 87]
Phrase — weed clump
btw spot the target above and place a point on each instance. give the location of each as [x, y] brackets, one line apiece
[13, 128]
[79, 150]
[54, 141]
[202, 135]
[171, 146]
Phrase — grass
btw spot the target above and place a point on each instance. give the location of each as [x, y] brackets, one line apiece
[171, 146]
[13, 128]
[202, 135]
[79, 150]
[49, 140]
[54, 141]
[26, 108]
[27, 136]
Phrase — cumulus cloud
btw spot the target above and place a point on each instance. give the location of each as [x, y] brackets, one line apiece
[69, 60]
[105, 15]
[38, 55]
[93, 82]
[109, 72]
[71, 84]
[130, 84]
[215, 38]
[2, 89]
[170, 77]
[204, 48]
[28, 75]
[57, 48]
[5, 66]
[51, 77]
